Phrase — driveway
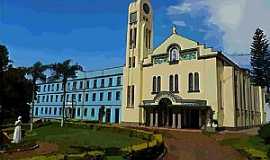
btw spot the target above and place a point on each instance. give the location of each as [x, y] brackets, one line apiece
[184, 145]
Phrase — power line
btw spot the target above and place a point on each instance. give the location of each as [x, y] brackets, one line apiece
[239, 55]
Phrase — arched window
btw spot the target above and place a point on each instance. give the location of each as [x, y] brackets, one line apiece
[171, 83]
[174, 51]
[158, 84]
[176, 89]
[154, 84]
[190, 81]
[197, 82]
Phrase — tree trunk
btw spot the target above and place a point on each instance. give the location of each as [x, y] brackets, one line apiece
[32, 106]
[64, 103]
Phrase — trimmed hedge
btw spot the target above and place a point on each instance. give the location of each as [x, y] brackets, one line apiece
[264, 133]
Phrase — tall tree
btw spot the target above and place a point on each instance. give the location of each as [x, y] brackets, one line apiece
[4, 59]
[64, 71]
[267, 70]
[259, 49]
[37, 73]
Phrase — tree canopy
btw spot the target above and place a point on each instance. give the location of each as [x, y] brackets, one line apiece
[259, 52]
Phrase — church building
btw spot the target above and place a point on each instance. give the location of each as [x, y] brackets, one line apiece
[182, 83]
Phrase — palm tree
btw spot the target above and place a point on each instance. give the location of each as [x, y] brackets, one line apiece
[64, 71]
[37, 73]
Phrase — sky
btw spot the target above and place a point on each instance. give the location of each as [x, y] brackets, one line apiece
[93, 32]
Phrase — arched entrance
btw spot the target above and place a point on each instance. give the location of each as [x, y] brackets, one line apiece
[164, 112]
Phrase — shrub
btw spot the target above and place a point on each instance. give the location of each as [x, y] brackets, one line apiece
[268, 153]
[264, 133]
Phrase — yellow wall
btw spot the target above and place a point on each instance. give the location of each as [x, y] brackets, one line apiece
[222, 83]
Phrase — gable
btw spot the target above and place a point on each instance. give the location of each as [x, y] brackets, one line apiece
[184, 44]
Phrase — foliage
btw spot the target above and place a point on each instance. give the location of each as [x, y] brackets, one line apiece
[15, 95]
[253, 147]
[259, 51]
[14, 90]
[264, 133]
[4, 59]
[63, 71]
[64, 137]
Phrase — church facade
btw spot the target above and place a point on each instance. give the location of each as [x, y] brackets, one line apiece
[182, 83]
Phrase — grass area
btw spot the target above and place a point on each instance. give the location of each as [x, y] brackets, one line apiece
[251, 146]
[76, 136]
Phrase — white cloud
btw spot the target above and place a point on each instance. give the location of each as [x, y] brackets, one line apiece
[237, 19]
[179, 9]
[180, 23]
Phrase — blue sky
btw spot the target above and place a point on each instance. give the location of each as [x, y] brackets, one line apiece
[93, 32]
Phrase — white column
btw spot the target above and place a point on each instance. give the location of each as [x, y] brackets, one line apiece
[179, 121]
[173, 123]
[156, 120]
[151, 119]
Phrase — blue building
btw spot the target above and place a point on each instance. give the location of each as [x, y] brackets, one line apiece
[87, 96]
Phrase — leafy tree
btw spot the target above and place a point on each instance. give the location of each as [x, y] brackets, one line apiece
[64, 71]
[259, 50]
[37, 73]
[4, 59]
[267, 70]
[15, 95]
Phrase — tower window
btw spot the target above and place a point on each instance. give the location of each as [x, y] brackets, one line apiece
[129, 62]
[130, 96]
[135, 38]
[130, 38]
[133, 17]
[133, 61]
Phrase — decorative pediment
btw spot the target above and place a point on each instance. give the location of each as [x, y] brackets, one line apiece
[175, 99]
[166, 94]
[184, 43]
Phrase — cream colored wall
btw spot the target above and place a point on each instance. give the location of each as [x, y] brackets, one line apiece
[217, 85]
[133, 76]
[228, 97]
[208, 78]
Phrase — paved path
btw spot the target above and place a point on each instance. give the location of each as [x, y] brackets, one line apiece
[183, 145]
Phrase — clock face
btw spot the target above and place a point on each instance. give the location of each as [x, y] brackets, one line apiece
[146, 8]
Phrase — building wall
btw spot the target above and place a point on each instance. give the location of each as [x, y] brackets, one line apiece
[225, 86]
[87, 108]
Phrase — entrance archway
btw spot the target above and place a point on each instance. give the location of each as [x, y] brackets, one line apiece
[164, 112]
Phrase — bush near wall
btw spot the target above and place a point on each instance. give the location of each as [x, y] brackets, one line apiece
[264, 133]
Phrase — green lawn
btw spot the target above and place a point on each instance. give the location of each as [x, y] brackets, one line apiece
[76, 136]
[251, 146]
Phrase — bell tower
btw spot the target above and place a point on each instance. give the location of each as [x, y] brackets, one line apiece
[139, 46]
